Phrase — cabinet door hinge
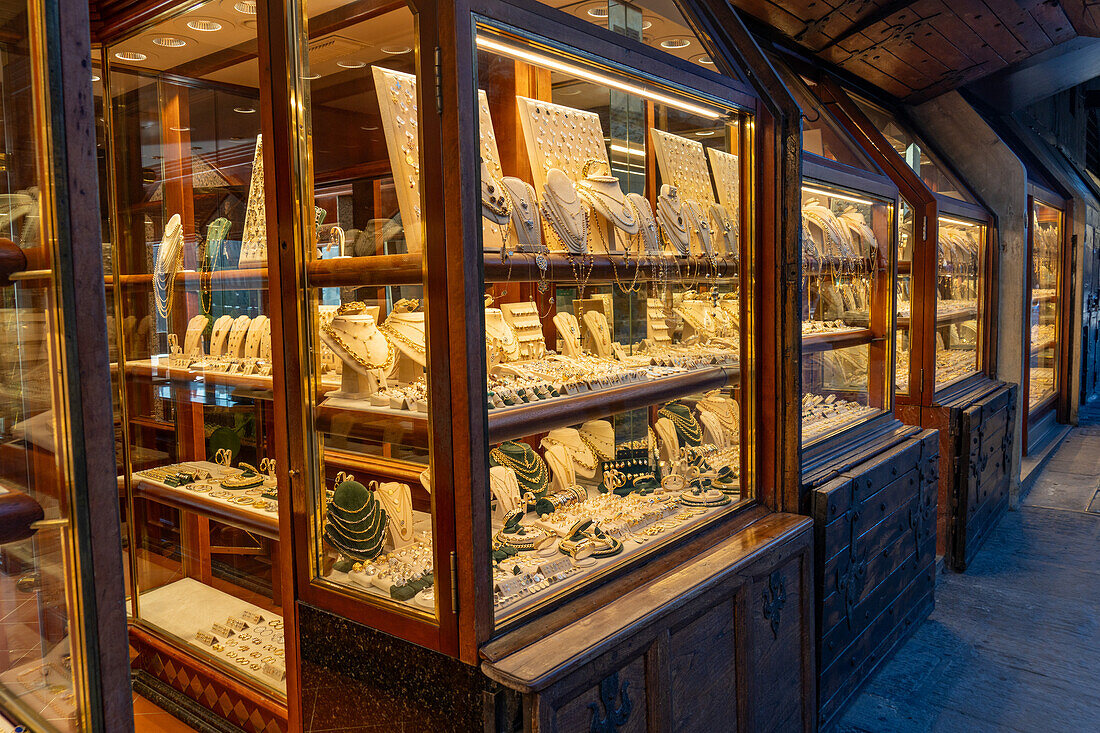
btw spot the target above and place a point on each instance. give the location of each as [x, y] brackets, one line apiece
[454, 583]
[438, 81]
[924, 228]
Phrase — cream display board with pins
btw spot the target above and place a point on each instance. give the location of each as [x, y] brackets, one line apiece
[683, 163]
[254, 236]
[397, 103]
[568, 140]
[727, 180]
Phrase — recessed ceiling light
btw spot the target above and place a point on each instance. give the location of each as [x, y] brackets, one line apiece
[395, 50]
[369, 128]
[245, 110]
[704, 133]
[94, 78]
[180, 129]
[647, 24]
[169, 42]
[246, 7]
[704, 59]
[676, 43]
[130, 56]
[311, 77]
[204, 25]
[351, 64]
[569, 92]
[250, 24]
[599, 11]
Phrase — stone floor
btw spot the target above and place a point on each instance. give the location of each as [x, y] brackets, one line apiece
[1014, 643]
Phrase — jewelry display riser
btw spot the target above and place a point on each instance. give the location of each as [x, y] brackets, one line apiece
[742, 608]
[874, 563]
[976, 422]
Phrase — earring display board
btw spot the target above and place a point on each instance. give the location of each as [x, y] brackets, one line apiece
[683, 164]
[254, 236]
[397, 102]
[560, 137]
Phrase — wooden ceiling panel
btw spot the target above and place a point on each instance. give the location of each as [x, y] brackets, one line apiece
[917, 49]
[1051, 18]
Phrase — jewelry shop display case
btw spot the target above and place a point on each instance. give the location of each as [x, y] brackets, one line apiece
[1045, 372]
[439, 383]
[549, 370]
[197, 347]
[946, 373]
[870, 482]
[63, 663]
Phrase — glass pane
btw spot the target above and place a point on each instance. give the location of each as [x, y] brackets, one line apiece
[846, 315]
[958, 299]
[915, 153]
[822, 135]
[1046, 252]
[38, 670]
[194, 335]
[612, 266]
[657, 25]
[906, 238]
[368, 311]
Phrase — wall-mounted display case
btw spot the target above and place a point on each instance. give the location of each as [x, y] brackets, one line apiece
[490, 350]
[1044, 369]
[850, 234]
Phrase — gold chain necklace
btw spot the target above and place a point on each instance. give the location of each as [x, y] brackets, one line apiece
[402, 338]
[595, 451]
[688, 425]
[391, 353]
[573, 453]
[531, 469]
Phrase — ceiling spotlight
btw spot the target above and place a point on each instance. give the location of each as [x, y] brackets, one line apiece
[180, 129]
[704, 59]
[311, 77]
[130, 56]
[674, 43]
[245, 110]
[647, 24]
[94, 78]
[246, 7]
[204, 25]
[169, 42]
[600, 11]
[704, 133]
[351, 64]
[395, 50]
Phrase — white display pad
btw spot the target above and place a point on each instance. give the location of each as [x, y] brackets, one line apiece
[186, 606]
[683, 164]
[396, 92]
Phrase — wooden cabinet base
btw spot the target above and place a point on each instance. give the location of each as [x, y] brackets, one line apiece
[977, 425]
[874, 564]
[983, 473]
[209, 689]
[722, 642]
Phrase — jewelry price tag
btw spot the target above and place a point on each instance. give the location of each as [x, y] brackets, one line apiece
[206, 638]
[511, 586]
[252, 617]
[272, 671]
[236, 623]
[223, 630]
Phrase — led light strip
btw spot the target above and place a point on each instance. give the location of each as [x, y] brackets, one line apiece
[582, 73]
[842, 197]
[959, 222]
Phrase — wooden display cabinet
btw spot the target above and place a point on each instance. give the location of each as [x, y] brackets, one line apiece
[1049, 353]
[949, 375]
